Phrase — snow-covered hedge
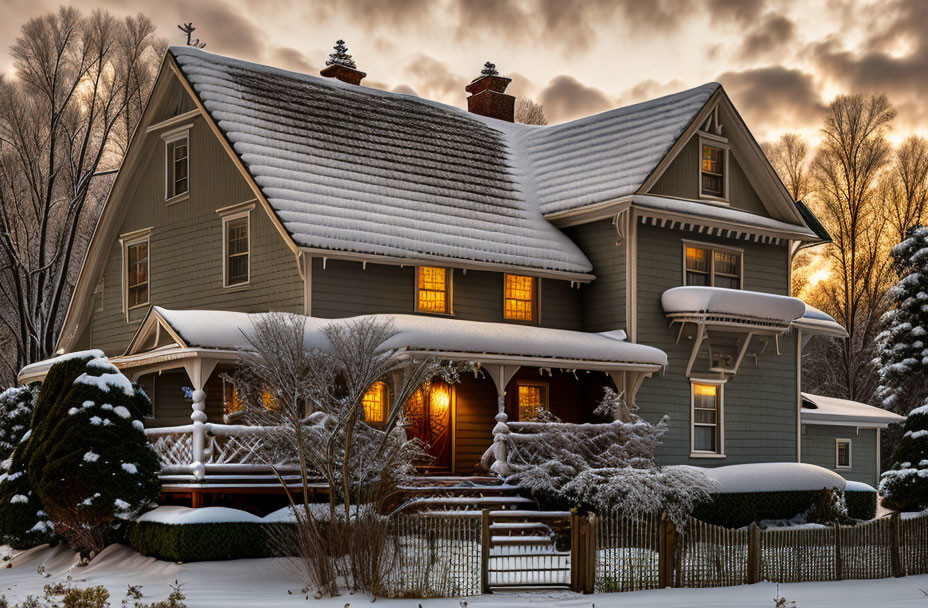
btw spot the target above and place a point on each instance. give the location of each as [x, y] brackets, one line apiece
[204, 541]
[16, 406]
[861, 500]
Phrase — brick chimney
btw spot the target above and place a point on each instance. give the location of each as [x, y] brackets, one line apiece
[488, 95]
[341, 66]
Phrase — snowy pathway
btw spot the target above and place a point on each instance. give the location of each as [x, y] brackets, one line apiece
[253, 583]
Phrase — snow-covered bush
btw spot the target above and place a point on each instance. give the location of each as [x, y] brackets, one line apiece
[603, 467]
[905, 486]
[902, 345]
[16, 405]
[85, 462]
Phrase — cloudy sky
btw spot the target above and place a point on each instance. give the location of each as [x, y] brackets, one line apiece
[781, 61]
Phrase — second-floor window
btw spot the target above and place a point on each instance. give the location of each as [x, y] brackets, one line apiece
[711, 267]
[177, 179]
[520, 298]
[237, 250]
[433, 290]
[707, 419]
[137, 274]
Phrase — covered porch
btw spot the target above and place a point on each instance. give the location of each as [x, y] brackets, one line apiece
[178, 357]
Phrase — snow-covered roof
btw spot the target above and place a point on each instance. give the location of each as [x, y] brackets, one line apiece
[354, 169]
[719, 213]
[609, 155]
[230, 330]
[719, 303]
[817, 409]
[817, 322]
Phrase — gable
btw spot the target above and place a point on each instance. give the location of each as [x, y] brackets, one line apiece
[681, 180]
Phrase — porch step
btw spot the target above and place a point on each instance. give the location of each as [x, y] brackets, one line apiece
[521, 541]
[517, 514]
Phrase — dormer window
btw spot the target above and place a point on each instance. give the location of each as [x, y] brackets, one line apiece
[177, 165]
[433, 290]
[713, 171]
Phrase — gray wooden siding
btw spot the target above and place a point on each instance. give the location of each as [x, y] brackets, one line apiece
[602, 301]
[346, 288]
[186, 245]
[759, 402]
[681, 179]
[170, 408]
[475, 411]
[818, 447]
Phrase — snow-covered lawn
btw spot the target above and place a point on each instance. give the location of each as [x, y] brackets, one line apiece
[265, 582]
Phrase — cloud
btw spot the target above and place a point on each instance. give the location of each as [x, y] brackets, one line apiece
[566, 98]
[771, 37]
[220, 25]
[292, 59]
[649, 89]
[775, 97]
[740, 11]
[403, 89]
[434, 79]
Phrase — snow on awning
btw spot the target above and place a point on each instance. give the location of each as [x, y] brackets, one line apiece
[818, 323]
[719, 305]
[445, 338]
[817, 409]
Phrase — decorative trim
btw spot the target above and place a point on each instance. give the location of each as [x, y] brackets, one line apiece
[237, 207]
[174, 120]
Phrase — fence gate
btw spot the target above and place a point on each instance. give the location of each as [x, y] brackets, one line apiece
[535, 549]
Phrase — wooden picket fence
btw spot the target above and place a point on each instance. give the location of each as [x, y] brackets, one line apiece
[650, 552]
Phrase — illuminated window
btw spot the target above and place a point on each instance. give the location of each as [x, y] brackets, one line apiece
[433, 290]
[713, 171]
[713, 267]
[137, 274]
[707, 402]
[533, 396]
[236, 250]
[375, 403]
[177, 166]
[842, 453]
[232, 399]
[519, 298]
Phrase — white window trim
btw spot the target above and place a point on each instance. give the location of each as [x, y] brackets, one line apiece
[850, 454]
[169, 138]
[716, 141]
[714, 247]
[125, 241]
[225, 247]
[720, 418]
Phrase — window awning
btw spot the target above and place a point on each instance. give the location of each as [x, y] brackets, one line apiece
[817, 323]
[729, 322]
[817, 409]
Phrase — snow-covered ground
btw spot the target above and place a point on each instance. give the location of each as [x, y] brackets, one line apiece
[265, 583]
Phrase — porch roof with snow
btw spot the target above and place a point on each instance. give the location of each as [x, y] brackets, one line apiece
[817, 409]
[817, 322]
[731, 307]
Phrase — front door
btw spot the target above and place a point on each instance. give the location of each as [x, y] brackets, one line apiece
[428, 418]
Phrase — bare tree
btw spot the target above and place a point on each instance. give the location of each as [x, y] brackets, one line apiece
[80, 84]
[530, 113]
[790, 157]
[846, 172]
[905, 191]
[307, 398]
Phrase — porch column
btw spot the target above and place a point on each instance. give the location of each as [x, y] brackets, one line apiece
[199, 370]
[501, 375]
[628, 382]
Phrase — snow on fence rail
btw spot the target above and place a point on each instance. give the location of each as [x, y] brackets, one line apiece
[649, 553]
[434, 556]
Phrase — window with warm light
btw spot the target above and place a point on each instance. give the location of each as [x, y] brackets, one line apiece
[706, 418]
[520, 295]
[712, 171]
[137, 274]
[375, 403]
[706, 266]
[533, 396]
[433, 290]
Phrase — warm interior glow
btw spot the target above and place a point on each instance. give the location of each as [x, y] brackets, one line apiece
[705, 390]
[432, 290]
[519, 298]
[439, 399]
[375, 403]
[532, 397]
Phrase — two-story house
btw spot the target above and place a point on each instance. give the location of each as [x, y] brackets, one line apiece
[647, 248]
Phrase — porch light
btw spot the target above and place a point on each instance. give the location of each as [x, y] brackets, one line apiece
[440, 399]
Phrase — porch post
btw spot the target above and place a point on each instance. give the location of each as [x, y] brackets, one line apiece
[501, 375]
[199, 370]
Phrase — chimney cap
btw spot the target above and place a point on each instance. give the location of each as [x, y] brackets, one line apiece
[341, 66]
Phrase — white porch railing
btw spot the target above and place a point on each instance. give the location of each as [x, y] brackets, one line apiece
[226, 449]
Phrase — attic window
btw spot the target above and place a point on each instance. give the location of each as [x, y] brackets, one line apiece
[713, 166]
[520, 298]
[433, 290]
[177, 165]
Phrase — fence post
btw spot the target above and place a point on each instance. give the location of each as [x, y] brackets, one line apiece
[485, 551]
[894, 545]
[589, 562]
[666, 549]
[574, 552]
[839, 566]
[753, 554]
